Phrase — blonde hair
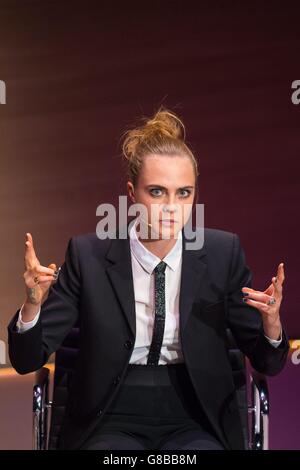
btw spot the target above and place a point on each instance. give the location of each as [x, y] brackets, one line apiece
[163, 134]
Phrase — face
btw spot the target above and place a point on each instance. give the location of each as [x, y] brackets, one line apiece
[166, 188]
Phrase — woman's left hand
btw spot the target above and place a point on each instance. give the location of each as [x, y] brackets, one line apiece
[268, 303]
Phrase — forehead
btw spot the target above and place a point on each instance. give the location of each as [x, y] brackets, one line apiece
[167, 168]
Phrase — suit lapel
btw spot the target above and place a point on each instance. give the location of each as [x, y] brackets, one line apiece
[120, 274]
[193, 270]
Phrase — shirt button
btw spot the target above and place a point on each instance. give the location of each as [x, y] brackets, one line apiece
[99, 413]
[128, 344]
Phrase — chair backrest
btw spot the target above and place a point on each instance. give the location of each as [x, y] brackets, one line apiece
[64, 364]
[239, 372]
[65, 358]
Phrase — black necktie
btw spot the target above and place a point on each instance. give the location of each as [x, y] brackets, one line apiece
[159, 320]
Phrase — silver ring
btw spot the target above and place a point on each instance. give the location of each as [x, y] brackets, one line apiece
[57, 273]
[272, 301]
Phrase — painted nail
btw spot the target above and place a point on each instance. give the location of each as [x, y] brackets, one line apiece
[245, 300]
[245, 293]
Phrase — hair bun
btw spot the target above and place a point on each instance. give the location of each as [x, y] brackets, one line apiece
[164, 122]
[163, 125]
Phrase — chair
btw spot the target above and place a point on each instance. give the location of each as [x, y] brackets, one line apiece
[254, 416]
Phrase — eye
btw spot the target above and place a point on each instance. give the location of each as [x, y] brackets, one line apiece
[187, 191]
[156, 192]
[155, 189]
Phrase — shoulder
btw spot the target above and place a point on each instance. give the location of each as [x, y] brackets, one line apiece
[215, 234]
[85, 238]
[219, 245]
[223, 244]
[214, 238]
[88, 244]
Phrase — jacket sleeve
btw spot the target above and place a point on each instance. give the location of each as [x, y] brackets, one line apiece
[245, 321]
[30, 350]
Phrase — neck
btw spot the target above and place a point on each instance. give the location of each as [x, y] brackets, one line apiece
[159, 247]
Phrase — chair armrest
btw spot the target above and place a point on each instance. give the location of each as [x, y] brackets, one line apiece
[40, 407]
[260, 411]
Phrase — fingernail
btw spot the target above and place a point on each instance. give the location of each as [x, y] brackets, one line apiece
[245, 293]
[245, 300]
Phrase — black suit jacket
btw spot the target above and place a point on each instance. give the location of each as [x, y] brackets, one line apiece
[95, 287]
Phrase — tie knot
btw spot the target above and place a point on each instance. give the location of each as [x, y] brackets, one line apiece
[160, 268]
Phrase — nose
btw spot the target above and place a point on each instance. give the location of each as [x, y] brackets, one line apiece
[170, 206]
[170, 201]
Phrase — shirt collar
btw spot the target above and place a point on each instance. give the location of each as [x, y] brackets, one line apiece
[149, 260]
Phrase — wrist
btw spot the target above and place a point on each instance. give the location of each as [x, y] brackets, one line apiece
[29, 311]
[273, 328]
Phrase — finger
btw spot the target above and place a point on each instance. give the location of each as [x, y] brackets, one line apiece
[42, 269]
[277, 284]
[247, 289]
[30, 256]
[280, 273]
[259, 305]
[259, 296]
[31, 281]
[41, 279]
[52, 266]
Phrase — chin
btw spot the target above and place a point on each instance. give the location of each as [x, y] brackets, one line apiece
[169, 231]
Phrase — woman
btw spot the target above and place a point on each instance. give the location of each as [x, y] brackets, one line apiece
[153, 369]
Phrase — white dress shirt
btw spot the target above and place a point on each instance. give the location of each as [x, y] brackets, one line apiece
[143, 263]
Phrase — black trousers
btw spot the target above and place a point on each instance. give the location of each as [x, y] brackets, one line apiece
[155, 408]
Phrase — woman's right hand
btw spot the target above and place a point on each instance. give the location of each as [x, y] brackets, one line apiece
[38, 279]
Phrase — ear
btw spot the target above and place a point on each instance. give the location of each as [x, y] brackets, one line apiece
[130, 189]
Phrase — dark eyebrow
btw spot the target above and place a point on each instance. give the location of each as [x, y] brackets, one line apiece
[162, 187]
